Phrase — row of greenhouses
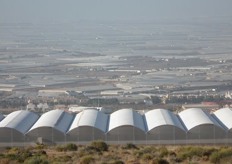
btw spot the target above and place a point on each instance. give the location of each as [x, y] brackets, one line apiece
[122, 125]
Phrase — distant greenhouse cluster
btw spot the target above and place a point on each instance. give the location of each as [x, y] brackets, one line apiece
[126, 125]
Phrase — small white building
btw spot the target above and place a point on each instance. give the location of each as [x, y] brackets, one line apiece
[31, 107]
[43, 107]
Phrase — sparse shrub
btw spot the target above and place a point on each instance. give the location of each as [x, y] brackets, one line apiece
[37, 160]
[221, 154]
[68, 147]
[81, 153]
[71, 147]
[42, 152]
[149, 149]
[23, 155]
[160, 161]
[208, 151]
[60, 148]
[19, 155]
[163, 152]
[40, 146]
[111, 158]
[8, 148]
[130, 146]
[99, 145]
[91, 150]
[117, 162]
[147, 157]
[13, 150]
[226, 160]
[138, 153]
[87, 160]
[5, 161]
[178, 160]
[11, 156]
[62, 159]
[146, 150]
[189, 152]
[215, 157]
[172, 153]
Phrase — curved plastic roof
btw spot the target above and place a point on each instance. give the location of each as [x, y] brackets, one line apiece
[224, 115]
[19, 120]
[195, 117]
[1, 117]
[125, 117]
[57, 119]
[160, 117]
[91, 118]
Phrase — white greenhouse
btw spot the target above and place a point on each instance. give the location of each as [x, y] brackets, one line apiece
[201, 125]
[224, 117]
[52, 126]
[88, 125]
[164, 125]
[14, 127]
[126, 124]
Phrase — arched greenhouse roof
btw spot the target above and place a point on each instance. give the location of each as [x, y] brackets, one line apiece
[57, 119]
[20, 120]
[91, 118]
[126, 117]
[162, 117]
[194, 117]
[224, 116]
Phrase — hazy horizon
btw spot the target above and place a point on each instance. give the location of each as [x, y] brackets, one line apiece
[76, 10]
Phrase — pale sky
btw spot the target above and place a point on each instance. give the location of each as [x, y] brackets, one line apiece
[75, 10]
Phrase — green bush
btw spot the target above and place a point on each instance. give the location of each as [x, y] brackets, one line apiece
[5, 161]
[40, 146]
[18, 154]
[227, 160]
[163, 151]
[91, 150]
[99, 146]
[41, 152]
[189, 152]
[37, 160]
[117, 162]
[217, 156]
[81, 153]
[71, 147]
[149, 149]
[13, 150]
[160, 161]
[8, 147]
[11, 156]
[87, 160]
[147, 157]
[62, 159]
[207, 152]
[24, 155]
[130, 146]
[60, 148]
[68, 147]
[146, 150]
